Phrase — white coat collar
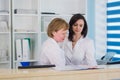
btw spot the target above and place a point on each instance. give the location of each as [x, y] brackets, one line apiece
[54, 42]
[70, 43]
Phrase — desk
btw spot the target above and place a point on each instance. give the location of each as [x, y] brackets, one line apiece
[108, 73]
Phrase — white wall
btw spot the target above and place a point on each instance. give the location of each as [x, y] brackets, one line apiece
[100, 27]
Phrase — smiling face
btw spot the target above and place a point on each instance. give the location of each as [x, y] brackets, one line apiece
[78, 26]
[59, 35]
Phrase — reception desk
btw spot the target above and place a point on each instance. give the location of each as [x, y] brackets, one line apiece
[111, 72]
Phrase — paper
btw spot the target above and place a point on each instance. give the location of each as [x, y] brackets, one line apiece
[70, 67]
[75, 67]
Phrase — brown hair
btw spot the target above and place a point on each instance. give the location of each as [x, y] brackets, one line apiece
[55, 25]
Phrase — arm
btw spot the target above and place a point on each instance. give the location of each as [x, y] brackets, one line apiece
[90, 56]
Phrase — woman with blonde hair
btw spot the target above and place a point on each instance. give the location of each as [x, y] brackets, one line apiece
[51, 53]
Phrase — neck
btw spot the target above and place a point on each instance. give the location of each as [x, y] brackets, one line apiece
[76, 37]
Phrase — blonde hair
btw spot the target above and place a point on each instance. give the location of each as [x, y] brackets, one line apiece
[55, 25]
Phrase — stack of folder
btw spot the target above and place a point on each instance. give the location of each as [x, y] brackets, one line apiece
[23, 49]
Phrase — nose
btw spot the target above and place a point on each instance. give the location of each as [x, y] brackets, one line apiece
[65, 35]
[77, 27]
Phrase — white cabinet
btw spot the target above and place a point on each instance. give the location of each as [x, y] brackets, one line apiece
[26, 28]
[59, 8]
[5, 34]
[63, 6]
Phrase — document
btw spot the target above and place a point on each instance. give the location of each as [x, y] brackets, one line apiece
[75, 67]
[70, 67]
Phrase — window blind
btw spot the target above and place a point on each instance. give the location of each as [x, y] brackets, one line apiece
[113, 26]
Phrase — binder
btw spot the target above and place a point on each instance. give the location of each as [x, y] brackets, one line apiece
[19, 49]
[3, 26]
[26, 48]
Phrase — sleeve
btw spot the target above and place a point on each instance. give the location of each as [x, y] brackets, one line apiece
[90, 53]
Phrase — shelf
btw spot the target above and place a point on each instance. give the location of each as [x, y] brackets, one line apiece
[26, 15]
[27, 61]
[59, 15]
[2, 14]
[43, 32]
[26, 32]
[4, 62]
[4, 32]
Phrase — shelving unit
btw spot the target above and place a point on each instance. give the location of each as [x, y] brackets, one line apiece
[28, 19]
[5, 34]
[26, 25]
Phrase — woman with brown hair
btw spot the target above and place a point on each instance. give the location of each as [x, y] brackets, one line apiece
[51, 52]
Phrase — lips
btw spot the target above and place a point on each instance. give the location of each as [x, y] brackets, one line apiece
[77, 31]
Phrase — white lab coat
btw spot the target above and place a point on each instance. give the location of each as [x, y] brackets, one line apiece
[51, 53]
[81, 54]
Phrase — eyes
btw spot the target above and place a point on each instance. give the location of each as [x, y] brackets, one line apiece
[79, 23]
[64, 33]
[76, 25]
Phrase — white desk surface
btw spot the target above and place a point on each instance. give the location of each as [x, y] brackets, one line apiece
[109, 72]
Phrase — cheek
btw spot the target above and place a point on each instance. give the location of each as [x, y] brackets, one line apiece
[60, 38]
[82, 29]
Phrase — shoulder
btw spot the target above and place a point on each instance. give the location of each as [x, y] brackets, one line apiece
[87, 40]
[88, 43]
[66, 40]
[46, 42]
[49, 43]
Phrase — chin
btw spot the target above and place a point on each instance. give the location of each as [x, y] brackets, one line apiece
[61, 41]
